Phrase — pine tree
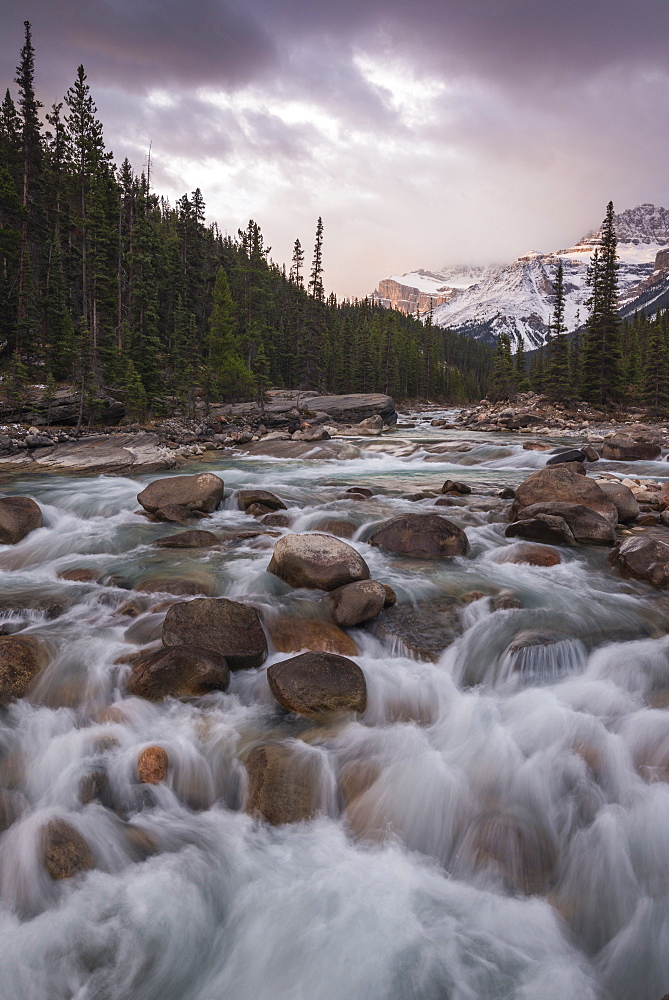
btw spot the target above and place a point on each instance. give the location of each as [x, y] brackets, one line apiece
[656, 369]
[559, 380]
[502, 378]
[521, 377]
[601, 371]
[316, 279]
[297, 265]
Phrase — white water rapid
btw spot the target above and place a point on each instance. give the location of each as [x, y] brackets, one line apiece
[507, 836]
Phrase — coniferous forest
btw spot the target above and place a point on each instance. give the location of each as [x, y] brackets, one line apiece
[106, 285]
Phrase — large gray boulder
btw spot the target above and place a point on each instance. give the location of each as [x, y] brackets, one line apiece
[18, 517]
[320, 562]
[560, 484]
[318, 683]
[425, 536]
[586, 525]
[229, 628]
[202, 492]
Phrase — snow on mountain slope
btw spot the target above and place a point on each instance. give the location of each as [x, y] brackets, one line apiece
[423, 290]
[518, 298]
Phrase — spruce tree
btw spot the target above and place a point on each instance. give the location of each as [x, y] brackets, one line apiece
[601, 371]
[316, 279]
[559, 380]
[297, 265]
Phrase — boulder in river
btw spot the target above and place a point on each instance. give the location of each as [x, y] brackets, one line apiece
[186, 671]
[573, 455]
[194, 539]
[81, 575]
[282, 783]
[642, 559]
[453, 486]
[316, 561]
[356, 602]
[544, 528]
[560, 484]
[516, 848]
[424, 536]
[227, 627]
[318, 683]
[21, 659]
[180, 586]
[625, 448]
[290, 635]
[623, 498]
[18, 517]
[152, 765]
[201, 492]
[585, 524]
[247, 498]
[65, 853]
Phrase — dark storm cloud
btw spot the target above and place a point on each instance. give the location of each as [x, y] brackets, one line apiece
[467, 130]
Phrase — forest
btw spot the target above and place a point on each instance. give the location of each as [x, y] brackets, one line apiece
[104, 284]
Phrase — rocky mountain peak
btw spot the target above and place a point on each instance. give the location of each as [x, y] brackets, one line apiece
[644, 224]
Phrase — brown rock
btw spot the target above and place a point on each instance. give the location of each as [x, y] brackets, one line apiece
[229, 628]
[277, 520]
[391, 596]
[202, 492]
[21, 659]
[356, 602]
[623, 448]
[194, 539]
[282, 784]
[65, 853]
[290, 635]
[591, 454]
[521, 852]
[452, 486]
[362, 490]
[18, 517]
[248, 498]
[174, 513]
[560, 484]
[318, 683]
[178, 672]
[533, 555]
[79, 575]
[257, 510]
[12, 805]
[623, 499]
[642, 559]
[152, 765]
[425, 536]
[316, 561]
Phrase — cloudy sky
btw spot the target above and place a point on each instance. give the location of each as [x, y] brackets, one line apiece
[425, 133]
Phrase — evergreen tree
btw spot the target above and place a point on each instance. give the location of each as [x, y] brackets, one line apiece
[316, 279]
[601, 372]
[297, 265]
[503, 376]
[559, 378]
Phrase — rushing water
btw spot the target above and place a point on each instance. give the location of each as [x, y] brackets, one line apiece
[509, 835]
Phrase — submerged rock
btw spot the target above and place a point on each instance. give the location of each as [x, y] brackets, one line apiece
[356, 602]
[18, 517]
[65, 853]
[178, 672]
[425, 536]
[519, 851]
[423, 632]
[290, 635]
[22, 657]
[180, 586]
[227, 627]
[318, 683]
[195, 539]
[532, 555]
[202, 492]
[316, 561]
[282, 783]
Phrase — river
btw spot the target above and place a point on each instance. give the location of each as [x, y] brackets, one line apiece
[512, 841]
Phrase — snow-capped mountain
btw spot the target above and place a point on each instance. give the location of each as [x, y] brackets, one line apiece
[518, 298]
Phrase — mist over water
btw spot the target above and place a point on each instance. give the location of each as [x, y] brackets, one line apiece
[495, 825]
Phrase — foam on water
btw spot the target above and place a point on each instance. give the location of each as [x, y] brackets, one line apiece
[496, 824]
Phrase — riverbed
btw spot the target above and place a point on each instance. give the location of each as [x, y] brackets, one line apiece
[485, 831]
